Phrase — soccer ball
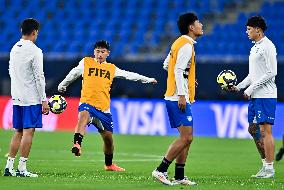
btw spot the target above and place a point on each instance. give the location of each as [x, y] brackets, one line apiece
[57, 104]
[227, 79]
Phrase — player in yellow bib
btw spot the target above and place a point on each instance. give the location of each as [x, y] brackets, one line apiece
[180, 64]
[94, 105]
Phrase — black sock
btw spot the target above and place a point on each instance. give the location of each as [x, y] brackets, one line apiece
[179, 171]
[163, 167]
[108, 159]
[78, 138]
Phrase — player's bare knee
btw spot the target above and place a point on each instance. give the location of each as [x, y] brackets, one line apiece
[29, 132]
[187, 140]
[252, 129]
[19, 132]
[262, 132]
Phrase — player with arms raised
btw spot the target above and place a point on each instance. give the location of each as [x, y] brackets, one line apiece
[94, 105]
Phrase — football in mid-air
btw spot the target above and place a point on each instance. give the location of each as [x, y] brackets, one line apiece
[57, 104]
[226, 79]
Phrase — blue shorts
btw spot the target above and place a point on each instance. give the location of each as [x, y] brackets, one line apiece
[105, 118]
[25, 117]
[262, 109]
[177, 117]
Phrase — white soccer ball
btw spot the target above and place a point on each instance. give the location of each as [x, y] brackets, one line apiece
[57, 104]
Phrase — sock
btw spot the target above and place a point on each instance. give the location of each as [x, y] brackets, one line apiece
[22, 164]
[163, 167]
[269, 166]
[78, 138]
[108, 159]
[10, 163]
[179, 171]
[263, 162]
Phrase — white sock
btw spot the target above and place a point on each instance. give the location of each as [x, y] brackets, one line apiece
[22, 164]
[269, 166]
[263, 162]
[10, 163]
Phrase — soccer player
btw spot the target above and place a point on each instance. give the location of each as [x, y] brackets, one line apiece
[180, 64]
[95, 98]
[280, 153]
[261, 91]
[28, 95]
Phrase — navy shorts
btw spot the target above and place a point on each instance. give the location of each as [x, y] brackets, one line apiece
[25, 117]
[262, 110]
[178, 117]
[105, 118]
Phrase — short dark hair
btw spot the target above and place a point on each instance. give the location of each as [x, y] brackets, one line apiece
[184, 21]
[102, 44]
[29, 25]
[257, 21]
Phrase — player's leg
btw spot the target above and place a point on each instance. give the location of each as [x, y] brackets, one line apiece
[254, 131]
[15, 141]
[32, 118]
[179, 177]
[104, 123]
[14, 147]
[176, 117]
[173, 151]
[266, 108]
[280, 153]
[25, 147]
[108, 149]
[269, 147]
[80, 131]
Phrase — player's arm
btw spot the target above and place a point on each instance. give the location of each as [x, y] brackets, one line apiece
[183, 58]
[74, 74]
[270, 67]
[37, 67]
[122, 74]
[245, 83]
[166, 62]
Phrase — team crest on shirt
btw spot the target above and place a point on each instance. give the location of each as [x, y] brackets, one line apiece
[189, 118]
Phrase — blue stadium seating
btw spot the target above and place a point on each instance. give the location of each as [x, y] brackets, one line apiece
[73, 26]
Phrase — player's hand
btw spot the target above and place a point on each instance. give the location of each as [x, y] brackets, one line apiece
[182, 103]
[246, 96]
[154, 81]
[233, 89]
[61, 88]
[45, 108]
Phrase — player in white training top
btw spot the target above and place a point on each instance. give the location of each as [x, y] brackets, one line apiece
[28, 95]
[261, 91]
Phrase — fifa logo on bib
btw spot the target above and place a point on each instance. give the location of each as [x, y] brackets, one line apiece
[99, 72]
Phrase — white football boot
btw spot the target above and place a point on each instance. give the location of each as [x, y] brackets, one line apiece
[259, 173]
[184, 181]
[25, 173]
[162, 177]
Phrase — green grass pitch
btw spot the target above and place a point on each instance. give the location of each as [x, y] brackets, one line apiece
[213, 163]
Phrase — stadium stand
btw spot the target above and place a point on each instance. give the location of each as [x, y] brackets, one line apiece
[133, 27]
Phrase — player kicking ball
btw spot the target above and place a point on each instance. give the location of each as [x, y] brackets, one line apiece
[94, 105]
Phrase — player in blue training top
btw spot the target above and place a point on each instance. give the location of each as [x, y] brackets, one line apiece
[261, 91]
